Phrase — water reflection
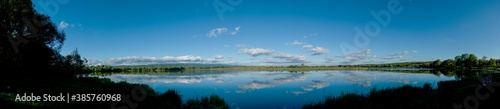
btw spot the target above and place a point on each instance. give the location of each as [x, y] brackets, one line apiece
[272, 79]
[277, 89]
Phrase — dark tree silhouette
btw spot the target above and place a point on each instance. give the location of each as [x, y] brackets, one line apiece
[29, 41]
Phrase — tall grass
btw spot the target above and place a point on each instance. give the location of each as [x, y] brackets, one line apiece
[405, 97]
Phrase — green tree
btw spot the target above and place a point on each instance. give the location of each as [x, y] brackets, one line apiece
[30, 42]
[28, 39]
[460, 60]
[448, 63]
[472, 61]
[75, 62]
[436, 63]
[483, 62]
[492, 62]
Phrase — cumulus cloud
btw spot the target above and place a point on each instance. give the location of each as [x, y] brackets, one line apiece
[255, 51]
[222, 31]
[93, 62]
[236, 30]
[63, 25]
[366, 56]
[217, 32]
[297, 43]
[307, 47]
[135, 60]
[319, 51]
[274, 56]
[355, 57]
[398, 55]
[286, 58]
[315, 50]
[215, 59]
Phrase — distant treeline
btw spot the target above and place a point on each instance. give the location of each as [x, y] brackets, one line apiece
[132, 69]
[464, 62]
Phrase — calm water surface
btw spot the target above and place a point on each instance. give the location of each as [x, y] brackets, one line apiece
[270, 90]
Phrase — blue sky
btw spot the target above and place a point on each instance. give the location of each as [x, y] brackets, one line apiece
[275, 32]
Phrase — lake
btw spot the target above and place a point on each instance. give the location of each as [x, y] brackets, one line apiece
[277, 90]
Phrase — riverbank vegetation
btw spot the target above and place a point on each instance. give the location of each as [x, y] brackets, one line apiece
[467, 93]
[465, 64]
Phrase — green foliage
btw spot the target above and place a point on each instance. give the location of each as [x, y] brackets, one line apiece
[405, 97]
[30, 43]
[71, 64]
[170, 99]
[448, 64]
[436, 63]
[492, 62]
[212, 102]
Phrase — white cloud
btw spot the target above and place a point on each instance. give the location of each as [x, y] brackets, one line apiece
[311, 48]
[93, 62]
[274, 56]
[398, 55]
[319, 51]
[286, 58]
[307, 47]
[255, 51]
[355, 57]
[182, 58]
[134, 60]
[297, 43]
[365, 57]
[217, 32]
[236, 30]
[221, 31]
[218, 57]
[63, 25]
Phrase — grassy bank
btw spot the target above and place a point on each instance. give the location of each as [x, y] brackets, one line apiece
[134, 96]
[449, 94]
